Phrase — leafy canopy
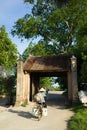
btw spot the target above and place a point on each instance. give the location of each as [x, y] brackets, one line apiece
[39, 49]
[8, 50]
[54, 24]
[61, 24]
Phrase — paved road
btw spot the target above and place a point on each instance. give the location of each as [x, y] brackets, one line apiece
[21, 118]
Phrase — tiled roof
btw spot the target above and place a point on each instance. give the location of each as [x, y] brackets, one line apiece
[47, 63]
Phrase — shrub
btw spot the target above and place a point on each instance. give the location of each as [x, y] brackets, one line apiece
[79, 120]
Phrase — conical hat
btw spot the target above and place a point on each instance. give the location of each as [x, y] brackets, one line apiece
[42, 90]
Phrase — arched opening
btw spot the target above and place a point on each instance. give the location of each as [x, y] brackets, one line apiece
[35, 80]
[54, 97]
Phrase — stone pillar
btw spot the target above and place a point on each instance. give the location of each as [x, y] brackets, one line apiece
[19, 89]
[74, 79]
[26, 87]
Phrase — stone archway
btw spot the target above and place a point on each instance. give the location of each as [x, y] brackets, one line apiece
[28, 75]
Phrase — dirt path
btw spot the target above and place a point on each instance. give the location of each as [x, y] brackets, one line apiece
[21, 118]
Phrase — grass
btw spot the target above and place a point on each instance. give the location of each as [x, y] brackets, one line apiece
[79, 120]
[24, 104]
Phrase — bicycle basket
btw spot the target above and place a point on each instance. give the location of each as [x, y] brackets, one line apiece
[35, 111]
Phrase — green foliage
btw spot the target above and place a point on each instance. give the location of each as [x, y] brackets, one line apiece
[10, 83]
[27, 51]
[62, 82]
[10, 88]
[39, 49]
[84, 72]
[8, 50]
[45, 82]
[7, 87]
[8, 59]
[79, 120]
[2, 86]
[24, 104]
[80, 50]
[59, 26]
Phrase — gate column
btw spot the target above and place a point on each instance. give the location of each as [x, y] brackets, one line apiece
[74, 79]
[19, 89]
[26, 87]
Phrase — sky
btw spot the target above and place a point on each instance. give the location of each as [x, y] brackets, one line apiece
[10, 12]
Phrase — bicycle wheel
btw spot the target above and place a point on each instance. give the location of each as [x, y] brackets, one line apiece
[39, 112]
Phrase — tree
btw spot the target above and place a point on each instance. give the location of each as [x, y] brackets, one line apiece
[81, 52]
[8, 60]
[8, 50]
[83, 72]
[56, 25]
[39, 49]
[45, 82]
[10, 88]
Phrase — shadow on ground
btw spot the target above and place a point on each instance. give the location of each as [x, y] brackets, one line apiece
[22, 113]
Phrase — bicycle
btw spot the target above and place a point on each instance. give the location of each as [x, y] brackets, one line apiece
[37, 110]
